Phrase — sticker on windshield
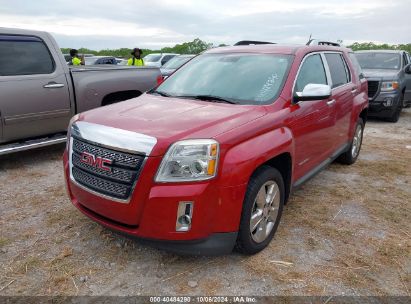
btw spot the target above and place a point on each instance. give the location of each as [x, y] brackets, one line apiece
[267, 89]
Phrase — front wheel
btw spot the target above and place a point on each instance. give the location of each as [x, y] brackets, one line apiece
[350, 156]
[396, 114]
[262, 209]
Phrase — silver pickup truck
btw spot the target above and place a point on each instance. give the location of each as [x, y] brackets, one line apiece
[39, 93]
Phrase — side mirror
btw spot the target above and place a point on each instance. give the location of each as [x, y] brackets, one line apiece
[408, 69]
[313, 91]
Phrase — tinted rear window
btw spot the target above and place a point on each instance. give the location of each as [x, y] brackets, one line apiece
[21, 55]
[356, 65]
[338, 69]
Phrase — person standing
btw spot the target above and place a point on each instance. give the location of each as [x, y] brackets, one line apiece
[75, 60]
[136, 59]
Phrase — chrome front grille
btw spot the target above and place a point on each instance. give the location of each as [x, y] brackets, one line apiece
[115, 180]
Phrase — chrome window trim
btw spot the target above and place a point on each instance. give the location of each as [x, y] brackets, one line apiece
[327, 72]
[345, 65]
[114, 138]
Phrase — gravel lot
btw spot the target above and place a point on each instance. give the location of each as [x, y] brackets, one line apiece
[345, 232]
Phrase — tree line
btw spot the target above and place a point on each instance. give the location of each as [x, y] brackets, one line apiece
[197, 46]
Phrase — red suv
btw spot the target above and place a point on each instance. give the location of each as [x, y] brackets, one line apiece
[206, 161]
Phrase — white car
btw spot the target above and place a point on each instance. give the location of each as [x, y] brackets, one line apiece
[158, 59]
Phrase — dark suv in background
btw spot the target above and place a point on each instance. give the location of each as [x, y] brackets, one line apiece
[389, 81]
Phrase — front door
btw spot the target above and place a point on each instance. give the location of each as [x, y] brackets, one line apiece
[34, 97]
[313, 121]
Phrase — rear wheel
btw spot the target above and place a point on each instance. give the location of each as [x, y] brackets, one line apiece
[350, 156]
[262, 209]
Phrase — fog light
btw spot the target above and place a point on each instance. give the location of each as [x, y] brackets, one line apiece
[184, 216]
[388, 101]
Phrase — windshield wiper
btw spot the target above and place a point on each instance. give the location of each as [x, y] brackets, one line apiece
[208, 98]
[160, 93]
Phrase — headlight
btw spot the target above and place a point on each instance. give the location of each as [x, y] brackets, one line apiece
[389, 86]
[189, 160]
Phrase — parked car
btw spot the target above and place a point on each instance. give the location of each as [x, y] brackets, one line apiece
[40, 92]
[206, 161]
[389, 81]
[158, 59]
[100, 60]
[174, 63]
[67, 57]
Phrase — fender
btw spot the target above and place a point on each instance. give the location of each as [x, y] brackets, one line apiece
[241, 160]
[360, 103]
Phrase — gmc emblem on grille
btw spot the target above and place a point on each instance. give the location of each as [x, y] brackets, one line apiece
[96, 161]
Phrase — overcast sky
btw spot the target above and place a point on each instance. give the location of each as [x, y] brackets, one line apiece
[99, 24]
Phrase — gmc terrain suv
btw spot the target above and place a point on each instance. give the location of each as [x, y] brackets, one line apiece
[389, 81]
[206, 161]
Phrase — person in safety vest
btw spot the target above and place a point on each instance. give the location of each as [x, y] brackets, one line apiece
[75, 60]
[136, 59]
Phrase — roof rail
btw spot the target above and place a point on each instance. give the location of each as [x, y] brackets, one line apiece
[251, 42]
[322, 42]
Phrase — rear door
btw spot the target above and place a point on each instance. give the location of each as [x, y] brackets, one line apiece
[34, 97]
[343, 94]
[314, 121]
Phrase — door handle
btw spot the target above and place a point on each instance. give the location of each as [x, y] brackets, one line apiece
[53, 85]
[354, 90]
[331, 102]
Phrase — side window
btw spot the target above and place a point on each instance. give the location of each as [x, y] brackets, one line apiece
[166, 58]
[312, 71]
[24, 55]
[356, 65]
[338, 69]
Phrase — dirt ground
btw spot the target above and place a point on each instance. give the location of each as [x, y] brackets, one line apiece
[345, 232]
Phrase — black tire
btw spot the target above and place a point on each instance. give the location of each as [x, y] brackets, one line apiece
[396, 115]
[405, 103]
[263, 175]
[350, 156]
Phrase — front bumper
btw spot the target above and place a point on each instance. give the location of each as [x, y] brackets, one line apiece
[377, 107]
[152, 212]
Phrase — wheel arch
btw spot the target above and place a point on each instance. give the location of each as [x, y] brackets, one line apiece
[274, 148]
[283, 163]
[119, 96]
[363, 115]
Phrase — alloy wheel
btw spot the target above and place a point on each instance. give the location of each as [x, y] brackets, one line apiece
[356, 143]
[264, 212]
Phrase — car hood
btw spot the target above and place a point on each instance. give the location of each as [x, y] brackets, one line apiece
[380, 73]
[173, 119]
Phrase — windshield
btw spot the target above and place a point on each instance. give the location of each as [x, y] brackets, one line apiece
[152, 58]
[390, 61]
[243, 78]
[176, 62]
